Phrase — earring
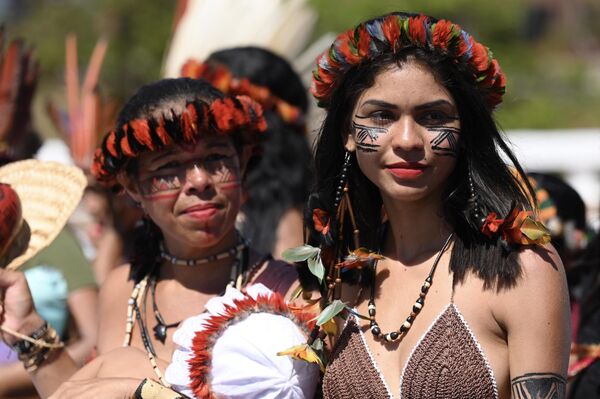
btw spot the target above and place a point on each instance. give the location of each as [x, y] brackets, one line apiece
[474, 212]
[343, 179]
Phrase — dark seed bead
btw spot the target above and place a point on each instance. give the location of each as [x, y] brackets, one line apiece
[410, 319]
[416, 309]
[421, 301]
[424, 289]
[394, 335]
[371, 312]
[375, 330]
[429, 279]
[403, 329]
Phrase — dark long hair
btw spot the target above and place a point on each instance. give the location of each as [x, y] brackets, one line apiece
[280, 178]
[497, 186]
[150, 102]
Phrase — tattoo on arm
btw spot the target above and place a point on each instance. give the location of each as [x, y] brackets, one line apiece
[364, 133]
[539, 385]
[446, 142]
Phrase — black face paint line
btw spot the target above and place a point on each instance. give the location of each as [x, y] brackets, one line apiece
[364, 133]
[446, 142]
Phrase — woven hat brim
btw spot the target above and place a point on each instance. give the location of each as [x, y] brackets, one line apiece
[49, 193]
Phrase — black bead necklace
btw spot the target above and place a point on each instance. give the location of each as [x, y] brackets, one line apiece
[239, 251]
[419, 303]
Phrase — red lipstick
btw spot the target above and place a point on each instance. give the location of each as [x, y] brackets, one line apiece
[406, 170]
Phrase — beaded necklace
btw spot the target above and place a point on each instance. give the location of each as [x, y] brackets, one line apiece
[137, 303]
[395, 335]
[196, 262]
[161, 327]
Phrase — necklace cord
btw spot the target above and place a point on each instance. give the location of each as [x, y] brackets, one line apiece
[417, 306]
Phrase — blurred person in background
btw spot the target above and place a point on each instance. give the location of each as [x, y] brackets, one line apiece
[278, 181]
[64, 294]
[584, 368]
[564, 215]
[60, 277]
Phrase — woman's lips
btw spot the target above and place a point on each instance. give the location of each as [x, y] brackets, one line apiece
[201, 212]
[406, 170]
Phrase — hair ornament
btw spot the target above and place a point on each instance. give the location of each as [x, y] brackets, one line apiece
[222, 116]
[220, 77]
[518, 228]
[394, 32]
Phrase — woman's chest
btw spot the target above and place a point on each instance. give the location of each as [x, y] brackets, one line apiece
[442, 349]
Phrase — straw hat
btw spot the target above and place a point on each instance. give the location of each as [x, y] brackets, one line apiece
[49, 193]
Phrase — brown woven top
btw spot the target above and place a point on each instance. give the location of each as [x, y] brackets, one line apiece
[447, 363]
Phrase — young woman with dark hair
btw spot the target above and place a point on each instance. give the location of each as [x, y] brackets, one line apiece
[180, 149]
[410, 180]
[277, 182]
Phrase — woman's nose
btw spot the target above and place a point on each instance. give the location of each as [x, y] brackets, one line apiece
[406, 135]
[197, 179]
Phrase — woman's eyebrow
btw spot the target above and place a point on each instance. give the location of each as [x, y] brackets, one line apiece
[217, 144]
[435, 104]
[380, 103]
[162, 155]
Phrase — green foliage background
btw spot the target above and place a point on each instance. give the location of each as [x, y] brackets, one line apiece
[553, 82]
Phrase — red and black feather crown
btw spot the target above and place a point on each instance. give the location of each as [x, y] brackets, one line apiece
[223, 116]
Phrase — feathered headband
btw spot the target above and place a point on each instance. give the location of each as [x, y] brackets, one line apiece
[223, 116]
[394, 32]
[222, 78]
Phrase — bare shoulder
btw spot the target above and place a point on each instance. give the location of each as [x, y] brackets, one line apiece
[541, 263]
[541, 286]
[114, 295]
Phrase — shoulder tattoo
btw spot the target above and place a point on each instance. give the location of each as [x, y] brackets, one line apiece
[539, 385]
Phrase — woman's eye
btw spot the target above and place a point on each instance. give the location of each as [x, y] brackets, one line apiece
[381, 117]
[437, 117]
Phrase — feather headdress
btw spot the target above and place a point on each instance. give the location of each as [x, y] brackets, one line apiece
[87, 117]
[393, 32]
[19, 73]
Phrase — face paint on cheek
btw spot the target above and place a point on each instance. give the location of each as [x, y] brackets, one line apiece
[161, 187]
[366, 136]
[445, 143]
[226, 176]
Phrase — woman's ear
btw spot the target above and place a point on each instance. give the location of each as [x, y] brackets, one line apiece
[130, 186]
